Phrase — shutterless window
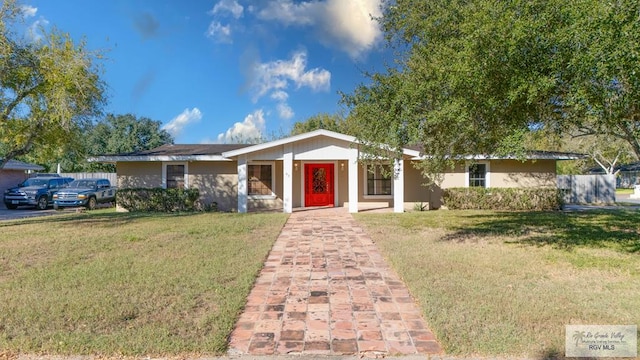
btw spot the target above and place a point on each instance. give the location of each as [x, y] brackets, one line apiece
[379, 180]
[260, 180]
[478, 175]
[175, 176]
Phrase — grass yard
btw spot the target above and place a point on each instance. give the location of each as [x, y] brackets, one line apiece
[110, 283]
[506, 284]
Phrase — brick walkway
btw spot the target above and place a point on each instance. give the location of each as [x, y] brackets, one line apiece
[325, 289]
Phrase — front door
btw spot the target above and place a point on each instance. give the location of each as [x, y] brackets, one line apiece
[318, 187]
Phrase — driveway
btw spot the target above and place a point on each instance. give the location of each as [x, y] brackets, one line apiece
[24, 212]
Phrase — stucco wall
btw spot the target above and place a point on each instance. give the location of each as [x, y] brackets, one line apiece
[217, 182]
[514, 173]
[139, 174]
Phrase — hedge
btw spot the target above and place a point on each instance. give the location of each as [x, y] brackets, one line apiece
[511, 199]
[158, 199]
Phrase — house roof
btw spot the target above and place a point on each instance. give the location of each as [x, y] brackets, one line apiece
[300, 137]
[174, 152]
[225, 152]
[529, 155]
[19, 165]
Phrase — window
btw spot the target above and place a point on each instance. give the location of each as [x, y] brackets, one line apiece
[175, 177]
[260, 179]
[379, 180]
[478, 175]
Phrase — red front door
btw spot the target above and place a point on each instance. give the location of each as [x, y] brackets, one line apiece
[318, 187]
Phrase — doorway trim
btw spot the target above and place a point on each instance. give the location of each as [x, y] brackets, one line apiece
[303, 179]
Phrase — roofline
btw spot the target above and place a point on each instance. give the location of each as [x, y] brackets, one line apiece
[566, 156]
[120, 158]
[299, 137]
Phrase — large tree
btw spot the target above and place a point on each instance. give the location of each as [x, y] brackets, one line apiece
[48, 87]
[478, 76]
[113, 134]
[332, 122]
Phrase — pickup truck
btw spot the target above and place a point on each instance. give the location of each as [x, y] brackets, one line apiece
[85, 192]
[36, 191]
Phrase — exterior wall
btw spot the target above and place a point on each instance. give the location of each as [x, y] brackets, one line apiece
[414, 190]
[297, 184]
[343, 182]
[139, 174]
[514, 173]
[217, 182]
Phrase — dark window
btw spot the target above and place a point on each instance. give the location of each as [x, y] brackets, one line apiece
[260, 180]
[175, 176]
[478, 175]
[379, 180]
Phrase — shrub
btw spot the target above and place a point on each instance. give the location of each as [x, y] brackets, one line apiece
[512, 199]
[158, 199]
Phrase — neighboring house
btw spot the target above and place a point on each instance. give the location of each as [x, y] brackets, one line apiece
[15, 172]
[319, 168]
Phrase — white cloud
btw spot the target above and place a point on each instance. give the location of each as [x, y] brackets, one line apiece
[347, 25]
[28, 11]
[278, 75]
[219, 33]
[178, 123]
[34, 31]
[285, 111]
[228, 6]
[251, 128]
[280, 95]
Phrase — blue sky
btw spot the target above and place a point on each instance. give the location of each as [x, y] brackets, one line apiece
[218, 70]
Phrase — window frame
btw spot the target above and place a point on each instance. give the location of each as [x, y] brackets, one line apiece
[164, 172]
[273, 180]
[487, 173]
[365, 189]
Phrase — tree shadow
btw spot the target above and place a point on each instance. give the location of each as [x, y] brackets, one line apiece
[617, 229]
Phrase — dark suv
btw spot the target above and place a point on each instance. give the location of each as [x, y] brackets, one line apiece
[36, 191]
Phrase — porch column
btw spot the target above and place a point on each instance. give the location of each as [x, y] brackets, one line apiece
[287, 180]
[398, 186]
[353, 180]
[242, 184]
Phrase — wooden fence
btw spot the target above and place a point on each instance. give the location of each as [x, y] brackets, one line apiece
[111, 176]
[588, 189]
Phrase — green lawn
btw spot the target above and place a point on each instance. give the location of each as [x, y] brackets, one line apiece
[506, 284]
[624, 191]
[110, 283]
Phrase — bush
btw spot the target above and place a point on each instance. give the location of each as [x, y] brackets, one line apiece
[512, 199]
[158, 199]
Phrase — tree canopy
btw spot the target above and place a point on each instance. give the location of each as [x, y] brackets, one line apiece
[48, 87]
[476, 77]
[113, 134]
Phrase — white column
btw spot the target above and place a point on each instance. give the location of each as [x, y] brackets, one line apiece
[242, 184]
[353, 180]
[398, 186]
[287, 180]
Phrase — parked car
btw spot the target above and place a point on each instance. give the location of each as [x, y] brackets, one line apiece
[85, 192]
[35, 191]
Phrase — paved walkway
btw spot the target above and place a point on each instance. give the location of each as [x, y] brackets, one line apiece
[325, 289]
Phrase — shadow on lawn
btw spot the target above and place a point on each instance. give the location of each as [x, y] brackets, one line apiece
[618, 229]
[91, 218]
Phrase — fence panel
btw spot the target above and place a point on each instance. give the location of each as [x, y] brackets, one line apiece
[111, 176]
[588, 189]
